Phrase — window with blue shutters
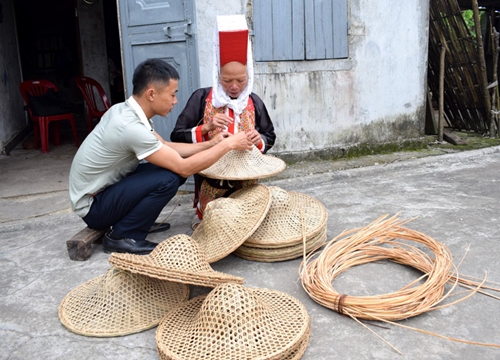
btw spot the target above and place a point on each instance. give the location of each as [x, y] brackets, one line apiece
[300, 29]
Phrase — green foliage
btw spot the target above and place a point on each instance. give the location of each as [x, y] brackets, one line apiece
[468, 16]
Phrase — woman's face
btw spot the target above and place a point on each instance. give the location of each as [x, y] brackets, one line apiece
[233, 78]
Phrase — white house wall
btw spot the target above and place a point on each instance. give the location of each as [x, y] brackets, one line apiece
[375, 96]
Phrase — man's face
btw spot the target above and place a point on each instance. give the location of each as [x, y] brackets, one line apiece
[233, 78]
[165, 98]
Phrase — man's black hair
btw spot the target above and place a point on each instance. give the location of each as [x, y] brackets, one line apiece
[152, 71]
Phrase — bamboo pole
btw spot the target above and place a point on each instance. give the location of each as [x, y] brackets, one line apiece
[441, 93]
[482, 62]
[494, 126]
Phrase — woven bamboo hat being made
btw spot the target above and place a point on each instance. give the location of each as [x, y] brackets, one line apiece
[228, 222]
[235, 322]
[119, 303]
[244, 165]
[177, 259]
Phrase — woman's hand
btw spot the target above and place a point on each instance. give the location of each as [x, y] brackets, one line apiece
[254, 137]
[218, 121]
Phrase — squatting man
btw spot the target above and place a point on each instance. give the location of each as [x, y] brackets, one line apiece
[110, 188]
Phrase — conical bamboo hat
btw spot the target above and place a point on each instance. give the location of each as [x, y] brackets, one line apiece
[244, 165]
[228, 222]
[177, 259]
[235, 322]
[119, 303]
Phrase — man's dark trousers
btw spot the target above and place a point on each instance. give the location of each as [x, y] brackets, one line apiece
[132, 205]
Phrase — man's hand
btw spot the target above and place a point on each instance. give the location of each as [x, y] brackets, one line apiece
[219, 137]
[239, 141]
[254, 137]
[218, 121]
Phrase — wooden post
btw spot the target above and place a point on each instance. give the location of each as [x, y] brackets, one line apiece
[441, 93]
[80, 245]
[482, 62]
[494, 126]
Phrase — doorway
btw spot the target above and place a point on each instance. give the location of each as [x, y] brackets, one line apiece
[48, 41]
[52, 47]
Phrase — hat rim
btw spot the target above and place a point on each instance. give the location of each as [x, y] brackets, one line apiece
[275, 254]
[185, 277]
[138, 264]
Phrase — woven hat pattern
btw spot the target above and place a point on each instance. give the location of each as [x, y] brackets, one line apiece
[291, 216]
[177, 259]
[119, 303]
[234, 322]
[244, 165]
[228, 222]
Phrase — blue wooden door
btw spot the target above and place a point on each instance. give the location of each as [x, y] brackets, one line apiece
[160, 29]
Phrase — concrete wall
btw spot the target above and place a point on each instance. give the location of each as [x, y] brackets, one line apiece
[12, 117]
[93, 42]
[375, 96]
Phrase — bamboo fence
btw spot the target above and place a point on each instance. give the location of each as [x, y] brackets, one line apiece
[466, 98]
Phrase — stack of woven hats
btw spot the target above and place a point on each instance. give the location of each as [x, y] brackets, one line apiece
[262, 223]
[231, 322]
[280, 227]
[295, 224]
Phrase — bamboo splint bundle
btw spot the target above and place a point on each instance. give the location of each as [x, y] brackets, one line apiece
[379, 241]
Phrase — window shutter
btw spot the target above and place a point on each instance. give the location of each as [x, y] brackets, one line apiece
[299, 29]
[340, 36]
[278, 30]
[326, 29]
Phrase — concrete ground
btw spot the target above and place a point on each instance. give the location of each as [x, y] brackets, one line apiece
[455, 197]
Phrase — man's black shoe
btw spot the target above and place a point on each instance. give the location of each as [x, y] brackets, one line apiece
[159, 227]
[126, 245]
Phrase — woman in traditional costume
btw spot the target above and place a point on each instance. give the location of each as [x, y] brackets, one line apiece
[229, 105]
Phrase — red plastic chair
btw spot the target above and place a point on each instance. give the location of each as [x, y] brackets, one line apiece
[36, 88]
[95, 99]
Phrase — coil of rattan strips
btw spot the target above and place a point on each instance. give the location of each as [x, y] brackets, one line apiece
[119, 303]
[177, 259]
[228, 222]
[244, 165]
[377, 241]
[386, 239]
[235, 322]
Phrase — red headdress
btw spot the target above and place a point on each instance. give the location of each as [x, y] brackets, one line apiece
[233, 39]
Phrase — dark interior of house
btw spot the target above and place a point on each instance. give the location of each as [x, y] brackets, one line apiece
[49, 43]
